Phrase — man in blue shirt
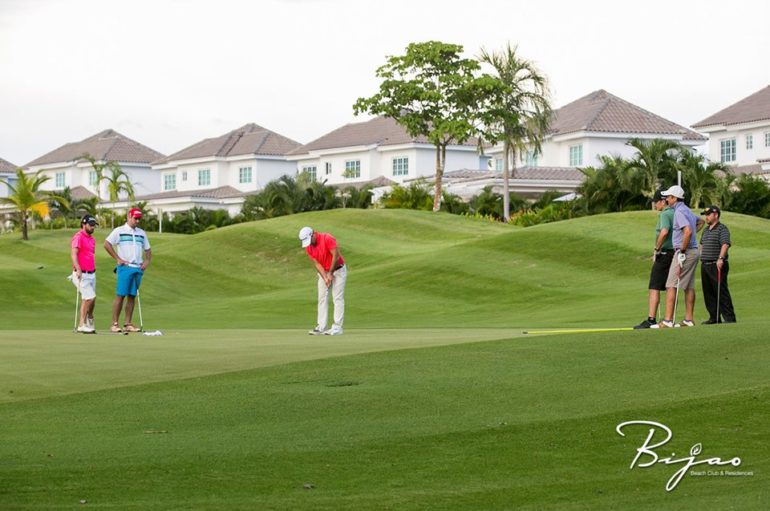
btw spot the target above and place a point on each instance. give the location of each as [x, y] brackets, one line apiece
[682, 271]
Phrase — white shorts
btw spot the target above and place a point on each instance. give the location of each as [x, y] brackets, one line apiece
[86, 285]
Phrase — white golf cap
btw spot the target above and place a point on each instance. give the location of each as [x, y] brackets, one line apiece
[305, 235]
[675, 190]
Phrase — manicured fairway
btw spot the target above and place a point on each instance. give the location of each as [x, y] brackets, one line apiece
[434, 398]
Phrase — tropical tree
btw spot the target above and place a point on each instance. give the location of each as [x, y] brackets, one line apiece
[609, 188]
[701, 178]
[65, 207]
[353, 197]
[653, 164]
[752, 196]
[117, 180]
[523, 112]
[25, 195]
[414, 196]
[432, 92]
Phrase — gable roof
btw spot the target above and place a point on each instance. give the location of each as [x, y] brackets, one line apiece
[603, 112]
[248, 139]
[7, 167]
[755, 107]
[105, 145]
[380, 131]
[81, 192]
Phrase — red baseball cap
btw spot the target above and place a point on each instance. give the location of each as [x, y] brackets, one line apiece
[134, 213]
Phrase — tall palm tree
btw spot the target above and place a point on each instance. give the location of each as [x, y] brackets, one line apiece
[653, 163]
[701, 178]
[26, 195]
[526, 110]
[117, 180]
[66, 208]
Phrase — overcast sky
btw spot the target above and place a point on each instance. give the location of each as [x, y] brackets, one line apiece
[169, 73]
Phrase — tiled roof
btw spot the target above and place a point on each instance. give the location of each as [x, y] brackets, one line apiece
[81, 192]
[223, 192]
[603, 112]
[752, 108]
[104, 146]
[739, 170]
[248, 139]
[374, 183]
[534, 173]
[7, 167]
[380, 131]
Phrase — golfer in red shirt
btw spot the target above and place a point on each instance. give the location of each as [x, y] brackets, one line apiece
[322, 248]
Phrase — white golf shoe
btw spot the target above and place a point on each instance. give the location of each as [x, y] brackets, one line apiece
[86, 329]
[335, 330]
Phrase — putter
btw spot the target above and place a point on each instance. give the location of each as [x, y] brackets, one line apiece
[77, 299]
[139, 304]
[719, 291]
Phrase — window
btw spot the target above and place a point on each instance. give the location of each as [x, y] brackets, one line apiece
[60, 180]
[576, 155]
[353, 168]
[749, 141]
[184, 175]
[169, 182]
[727, 150]
[92, 178]
[244, 175]
[328, 168]
[310, 170]
[204, 177]
[498, 164]
[400, 166]
[767, 139]
[532, 158]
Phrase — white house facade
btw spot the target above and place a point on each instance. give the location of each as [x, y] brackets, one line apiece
[739, 135]
[67, 167]
[599, 124]
[378, 148]
[7, 173]
[216, 173]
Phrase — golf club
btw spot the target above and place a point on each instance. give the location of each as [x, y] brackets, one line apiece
[719, 291]
[139, 304]
[77, 299]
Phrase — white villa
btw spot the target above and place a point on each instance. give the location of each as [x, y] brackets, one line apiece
[376, 149]
[739, 135]
[7, 173]
[216, 173]
[581, 131]
[67, 168]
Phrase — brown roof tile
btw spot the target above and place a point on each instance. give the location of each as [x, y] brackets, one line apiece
[755, 168]
[222, 192]
[7, 167]
[752, 108]
[105, 145]
[248, 139]
[380, 131]
[601, 111]
[538, 173]
[81, 192]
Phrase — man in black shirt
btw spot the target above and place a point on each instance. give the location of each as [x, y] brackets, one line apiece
[714, 244]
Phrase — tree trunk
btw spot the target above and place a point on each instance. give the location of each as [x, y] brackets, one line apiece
[24, 235]
[440, 162]
[506, 186]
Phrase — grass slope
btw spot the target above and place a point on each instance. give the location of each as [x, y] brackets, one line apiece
[407, 269]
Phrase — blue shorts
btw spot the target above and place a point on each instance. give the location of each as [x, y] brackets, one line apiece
[129, 280]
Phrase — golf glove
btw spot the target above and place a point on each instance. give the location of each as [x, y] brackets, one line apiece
[681, 258]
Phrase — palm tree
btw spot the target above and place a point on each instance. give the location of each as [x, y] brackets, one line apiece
[66, 207]
[525, 113]
[117, 180]
[26, 195]
[701, 177]
[654, 163]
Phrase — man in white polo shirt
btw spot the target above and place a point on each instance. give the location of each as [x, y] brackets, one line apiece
[129, 246]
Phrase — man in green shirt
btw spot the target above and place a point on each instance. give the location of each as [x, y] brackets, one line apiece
[662, 256]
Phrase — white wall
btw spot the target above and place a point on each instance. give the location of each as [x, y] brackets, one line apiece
[743, 155]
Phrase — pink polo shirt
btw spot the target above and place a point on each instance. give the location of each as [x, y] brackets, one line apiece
[86, 244]
[322, 251]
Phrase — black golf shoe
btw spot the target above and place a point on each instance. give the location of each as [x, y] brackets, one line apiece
[644, 324]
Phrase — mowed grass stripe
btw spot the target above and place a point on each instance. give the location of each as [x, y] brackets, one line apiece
[486, 425]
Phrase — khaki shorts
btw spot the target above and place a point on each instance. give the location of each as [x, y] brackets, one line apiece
[686, 273]
[86, 285]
